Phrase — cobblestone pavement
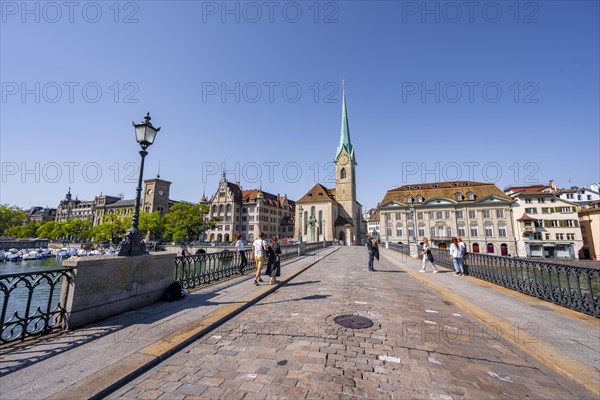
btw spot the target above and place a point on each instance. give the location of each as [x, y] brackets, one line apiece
[288, 346]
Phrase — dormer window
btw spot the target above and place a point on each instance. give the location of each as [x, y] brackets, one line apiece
[435, 185]
[419, 199]
[409, 199]
[455, 184]
[471, 196]
[418, 187]
[458, 196]
[466, 183]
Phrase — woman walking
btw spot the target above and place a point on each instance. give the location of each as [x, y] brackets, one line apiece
[273, 261]
[239, 246]
[259, 248]
[457, 257]
[427, 256]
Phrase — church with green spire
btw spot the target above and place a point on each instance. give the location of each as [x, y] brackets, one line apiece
[333, 213]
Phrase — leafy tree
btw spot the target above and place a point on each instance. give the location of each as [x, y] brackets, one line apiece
[29, 230]
[113, 228]
[152, 223]
[78, 228]
[46, 228]
[186, 221]
[10, 216]
[14, 231]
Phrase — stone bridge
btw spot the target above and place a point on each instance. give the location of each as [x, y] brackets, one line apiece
[425, 336]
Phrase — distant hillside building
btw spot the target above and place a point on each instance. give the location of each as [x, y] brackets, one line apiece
[480, 213]
[248, 212]
[371, 217]
[40, 214]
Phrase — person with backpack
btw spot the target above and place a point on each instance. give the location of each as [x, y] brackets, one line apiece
[259, 250]
[427, 256]
[273, 261]
[457, 258]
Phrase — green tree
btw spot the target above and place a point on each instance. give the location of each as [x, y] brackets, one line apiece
[186, 221]
[10, 216]
[14, 231]
[29, 230]
[113, 228]
[152, 223]
[45, 229]
[78, 228]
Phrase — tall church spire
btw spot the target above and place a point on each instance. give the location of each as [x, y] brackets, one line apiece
[345, 142]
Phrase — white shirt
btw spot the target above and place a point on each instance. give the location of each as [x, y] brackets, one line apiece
[239, 245]
[258, 247]
[455, 251]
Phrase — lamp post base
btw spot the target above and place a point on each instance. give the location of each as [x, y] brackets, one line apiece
[132, 245]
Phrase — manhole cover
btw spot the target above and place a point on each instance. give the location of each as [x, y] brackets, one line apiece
[353, 321]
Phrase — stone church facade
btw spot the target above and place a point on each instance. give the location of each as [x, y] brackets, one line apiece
[333, 213]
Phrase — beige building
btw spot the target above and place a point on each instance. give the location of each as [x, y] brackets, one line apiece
[155, 198]
[589, 220]
[371, 217]
[248, 212]
[333, 213]
[478, 212]
[547, 225]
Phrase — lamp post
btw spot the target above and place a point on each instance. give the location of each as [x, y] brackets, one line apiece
[132, 245]
[300, 227]
[324, 230]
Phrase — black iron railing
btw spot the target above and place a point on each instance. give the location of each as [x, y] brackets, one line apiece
[202, 269]
[402, 248]
[570, 286]
[31, 303]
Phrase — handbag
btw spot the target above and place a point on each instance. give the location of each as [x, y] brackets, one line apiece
[430, 256]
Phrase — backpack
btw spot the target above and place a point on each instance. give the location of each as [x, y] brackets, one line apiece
[173, 292]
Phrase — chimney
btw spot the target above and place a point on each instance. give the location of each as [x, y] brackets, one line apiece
[552, 184]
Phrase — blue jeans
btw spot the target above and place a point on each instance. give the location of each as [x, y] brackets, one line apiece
[458, 265]
[371, 259]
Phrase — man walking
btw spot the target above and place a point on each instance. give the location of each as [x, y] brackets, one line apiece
[372, 248]
[259, 249]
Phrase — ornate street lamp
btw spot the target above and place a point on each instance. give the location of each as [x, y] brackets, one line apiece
[132, 245]
[300, 224]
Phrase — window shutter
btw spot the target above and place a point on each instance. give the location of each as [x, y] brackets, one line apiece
[573, 209]
[546, 223]
[561, 223]
[576, 222]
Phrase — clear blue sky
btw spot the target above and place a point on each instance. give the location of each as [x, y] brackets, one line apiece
[174, 57]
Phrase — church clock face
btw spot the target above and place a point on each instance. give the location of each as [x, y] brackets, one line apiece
[343, 159]
[161, 192]
[149, 191]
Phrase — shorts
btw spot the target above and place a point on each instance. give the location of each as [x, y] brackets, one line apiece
[260, 261]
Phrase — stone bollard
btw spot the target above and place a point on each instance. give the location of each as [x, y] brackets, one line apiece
[387, 245]
[414, 251]
[301, 248]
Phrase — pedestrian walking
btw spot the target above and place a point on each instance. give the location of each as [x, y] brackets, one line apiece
[457, 257]
[273, 261]
[427, 256]
[259, 249]
[373, 249]
[239, 246]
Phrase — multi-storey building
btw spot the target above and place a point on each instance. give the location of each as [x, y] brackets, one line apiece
[547, 225]
[249, 212]
[480, 213]
[583, 197]
[372, 219]
[40, 214]
[155, 198]
[589, 220]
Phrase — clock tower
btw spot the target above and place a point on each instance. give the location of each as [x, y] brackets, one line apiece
[156, 195]
[345, 181]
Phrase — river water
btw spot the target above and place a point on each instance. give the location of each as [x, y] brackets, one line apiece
[16, 301]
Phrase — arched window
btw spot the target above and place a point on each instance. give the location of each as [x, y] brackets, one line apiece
[471, 196]
[458, 196]
[305, 222]
[490, 248]
[220, 209]
[419, 199]
[228, 208]
[312, 211]
[409, 199]
[475, 247]
[343, 173]
[504, 249]
[214, 209]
